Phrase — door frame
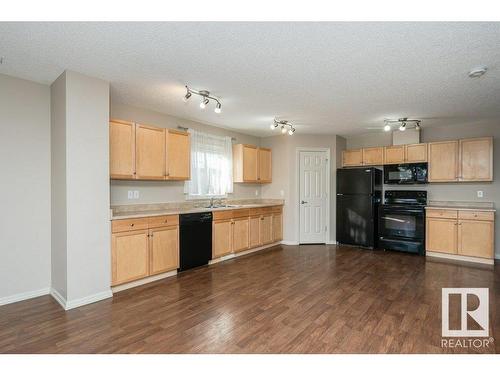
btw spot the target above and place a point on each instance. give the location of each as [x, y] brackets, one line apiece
[327, 151]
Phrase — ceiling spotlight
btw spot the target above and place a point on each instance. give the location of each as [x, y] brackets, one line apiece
[403, 127]
[218, 108]
[272, 126]
[206, 97]
[283, 129]
[478, 72]
[417, 126]
[291, 131]
[387, 127]
[286, 126]
[204, 103]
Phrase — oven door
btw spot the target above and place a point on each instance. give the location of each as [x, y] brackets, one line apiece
[399, 174]
[401, 222]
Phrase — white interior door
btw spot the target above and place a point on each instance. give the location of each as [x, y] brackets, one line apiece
[313, 196]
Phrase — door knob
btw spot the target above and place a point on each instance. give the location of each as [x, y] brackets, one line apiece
[303, 202]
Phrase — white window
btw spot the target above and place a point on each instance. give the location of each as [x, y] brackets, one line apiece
[211, 166]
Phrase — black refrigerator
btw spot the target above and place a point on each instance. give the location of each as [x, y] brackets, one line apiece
[359, 193]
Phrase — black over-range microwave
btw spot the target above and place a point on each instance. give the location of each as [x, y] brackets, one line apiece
[414, 173]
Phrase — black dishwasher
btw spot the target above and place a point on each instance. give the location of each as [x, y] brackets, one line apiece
[195, 240]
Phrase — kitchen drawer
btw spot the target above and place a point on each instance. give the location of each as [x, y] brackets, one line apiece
[265, 210]
[445, 214]
[163, 221]
[476, 215]
[129, 224]
[277, 209]
[245, 212]
[223, 215]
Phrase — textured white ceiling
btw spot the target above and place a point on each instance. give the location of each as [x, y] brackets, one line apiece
[337, 78]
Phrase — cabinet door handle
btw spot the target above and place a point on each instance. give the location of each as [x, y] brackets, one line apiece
[303, 202]
[132, 224]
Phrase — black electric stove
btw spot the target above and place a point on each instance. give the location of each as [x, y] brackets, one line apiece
[402, 221]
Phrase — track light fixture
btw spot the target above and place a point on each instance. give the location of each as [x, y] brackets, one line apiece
[286, 126]
[402, 122]
[206, 97]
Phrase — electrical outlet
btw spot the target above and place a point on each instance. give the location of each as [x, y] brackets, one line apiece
[282, 193]
[130, 194]
[256, 192]
[136, 194]
[479, 193]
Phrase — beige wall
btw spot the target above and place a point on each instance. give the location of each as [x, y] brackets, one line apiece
[58, 186]
[25, 189]
[285, 176]
[369, 140]
[80, 204]
[169, 191]
[457, 191]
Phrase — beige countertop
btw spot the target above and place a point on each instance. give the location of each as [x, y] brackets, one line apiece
[462, 206]
[128, 212]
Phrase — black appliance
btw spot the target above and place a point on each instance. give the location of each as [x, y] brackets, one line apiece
[359, 192]
[195, 239]
[402, 221]
[415, 173]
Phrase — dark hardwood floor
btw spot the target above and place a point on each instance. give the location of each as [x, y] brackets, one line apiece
[288, 299]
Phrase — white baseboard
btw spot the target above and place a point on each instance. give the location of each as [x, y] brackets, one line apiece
[462, 258]
[140, 282]
[72, 304]
[24, 296]
[331, 242]
[289, 243]
[58, 297]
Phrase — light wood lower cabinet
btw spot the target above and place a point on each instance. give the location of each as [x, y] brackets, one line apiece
[460, 232]
[240, 234]
[130, 257]
[441, 235]
[163, 249]
[277, 227]
[475, 238]
[254, 236]
[239, 230]
[266, 229]
[143, 247]
[222, 234]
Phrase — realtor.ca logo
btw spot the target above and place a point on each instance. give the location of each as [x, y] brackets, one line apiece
[470, 309]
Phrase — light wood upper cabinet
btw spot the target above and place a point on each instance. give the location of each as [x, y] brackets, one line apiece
[266, 229]
[373, 156]
[254, 227]
[416, 153]
[164, 249]
[150, 152]
[443, 161]
[476, 159]
[394, 154]
[265, 165]
[130, 258]
[251, 164]
[178, 155]
[121, 149]
[222, 234]
[352, 158]
[475, 238]
[441, 235]
[240, 234]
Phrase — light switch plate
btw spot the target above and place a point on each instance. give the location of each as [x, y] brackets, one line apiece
[130, 194]
[479, 193]
[136, 194]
